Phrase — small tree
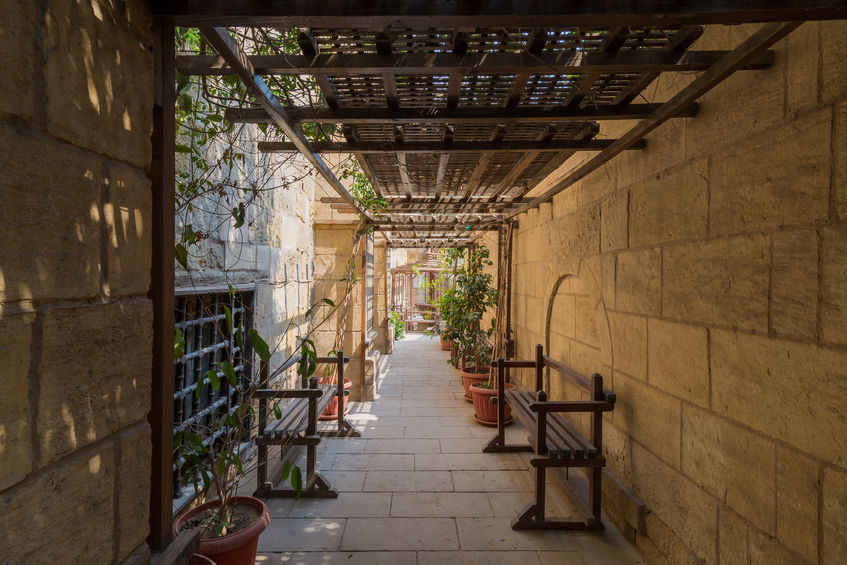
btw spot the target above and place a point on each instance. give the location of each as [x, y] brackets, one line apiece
[472, 296]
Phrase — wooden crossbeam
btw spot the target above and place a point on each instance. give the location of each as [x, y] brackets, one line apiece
[766, 36]
[377, 14]
[439, 147]
[611, 43]
[223, 42]
[404, 173]
[309, 47]
[438, 226]
[381, 116]
[561, 63]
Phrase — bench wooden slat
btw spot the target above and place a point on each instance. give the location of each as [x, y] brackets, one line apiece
[295, 418]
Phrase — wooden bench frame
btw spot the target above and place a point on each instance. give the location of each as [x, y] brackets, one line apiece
[555, 441]
[298, 427]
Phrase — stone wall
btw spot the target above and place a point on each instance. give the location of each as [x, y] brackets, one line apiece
[75, 322]
[704, 278]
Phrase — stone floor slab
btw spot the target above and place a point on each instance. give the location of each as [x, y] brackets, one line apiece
[347, 505]
[409, 481]
[374, 462]
[479, 558]
[440, 505]
[401, 446]
[338, 558]
[399, 534]
[467, 461]
[292, 534]
[493, 481]
[496, 534]
[438, 432]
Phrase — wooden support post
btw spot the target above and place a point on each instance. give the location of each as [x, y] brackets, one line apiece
[311, 430]
[262, 468]
[596, 438]
[501, 400]
[539, 367]
[340, 390]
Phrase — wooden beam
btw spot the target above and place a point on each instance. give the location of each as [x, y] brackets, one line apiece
[309, 48]
[438, 147]
[224, 44]
[561, 63]
[454, 82]
[162, 174]
[611, 43]
[439, 227]
[400, 201]
[404, 174]
[381, 116]
[766, 36]
[414, 14]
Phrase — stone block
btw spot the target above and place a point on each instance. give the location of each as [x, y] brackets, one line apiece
[722, 282]
[17, 30]
[589, 314]
[64, 515]
[629, 344]
[105, 71]
[742, 106]
[774, 180]
[834, 285]
[334, 240]
[672, 206]
[733, 464]
[94, 374]
[678, 360]
[596, 186]
[51, 196]
[834, 516]
[638, 282]
[803, 54]
[833, 60]
[794, 303]
[577, 234]
[127, 213]
[614, 216]
[767, 549]
[15, 444]
[649, 416]
[797, 488]
[732, 538]
[665, 148]
[134, 489]
[755, 381]
[677, 502]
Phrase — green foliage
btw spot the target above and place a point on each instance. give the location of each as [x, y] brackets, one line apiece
[468, 301]
[396, 320]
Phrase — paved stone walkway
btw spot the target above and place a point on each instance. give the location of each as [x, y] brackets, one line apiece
[416, 489]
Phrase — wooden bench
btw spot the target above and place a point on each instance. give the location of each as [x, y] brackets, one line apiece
[297, 427]
[555, 441]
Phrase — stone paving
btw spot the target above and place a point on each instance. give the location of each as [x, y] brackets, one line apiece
[416, 489]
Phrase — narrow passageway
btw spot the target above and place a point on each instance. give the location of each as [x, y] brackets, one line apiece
[417, 489]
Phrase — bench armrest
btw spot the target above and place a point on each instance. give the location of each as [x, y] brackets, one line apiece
[289, 393]
[572, 406]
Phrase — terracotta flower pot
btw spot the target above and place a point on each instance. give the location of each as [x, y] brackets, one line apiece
[471, 376]
[198, 559]
[331, 412]
[485, 411]
[237, 548]
[445, 344]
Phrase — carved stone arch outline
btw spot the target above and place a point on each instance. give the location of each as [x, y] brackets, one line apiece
[585, 284]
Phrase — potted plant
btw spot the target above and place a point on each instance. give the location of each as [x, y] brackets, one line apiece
[473, 295]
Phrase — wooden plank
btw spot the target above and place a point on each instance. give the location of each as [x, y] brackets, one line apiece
[440, 147]
[162, 174]
[229, 50]
[611, 43]
[179, 551]
[404, 172]
[441, 227]
[443, 159]
[496, 13]
[560, 63]
[766, 36]
[381, 116]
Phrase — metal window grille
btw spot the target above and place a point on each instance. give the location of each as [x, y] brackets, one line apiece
[202, 319]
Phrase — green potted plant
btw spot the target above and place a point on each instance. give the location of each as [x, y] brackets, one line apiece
[473, 295]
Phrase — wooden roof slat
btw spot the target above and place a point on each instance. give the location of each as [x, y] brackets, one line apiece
[473, 64]
[457, 116]
[453, 147]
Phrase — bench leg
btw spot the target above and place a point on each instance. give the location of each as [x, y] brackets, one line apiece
[498, 445]
[349, 430]
[533, 517]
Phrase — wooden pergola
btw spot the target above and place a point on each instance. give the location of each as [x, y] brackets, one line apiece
[456, 111]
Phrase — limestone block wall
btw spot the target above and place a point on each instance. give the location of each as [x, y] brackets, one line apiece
[75, 322]
[704, 278]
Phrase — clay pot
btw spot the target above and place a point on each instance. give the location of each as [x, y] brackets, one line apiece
[331, 412]
[485, 411]
[445, 344]
[198, 559]
[238, 548]
[471, 376]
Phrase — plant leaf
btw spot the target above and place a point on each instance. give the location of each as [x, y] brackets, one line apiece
[277, 410]
[228, 314]
[181, 255]
[297, 481]
[286, 470]
[228, 370]
[328, 301]
[259, 345]
[179, 343]
[213, 378]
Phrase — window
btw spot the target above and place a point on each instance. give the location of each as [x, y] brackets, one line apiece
[202, 320]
